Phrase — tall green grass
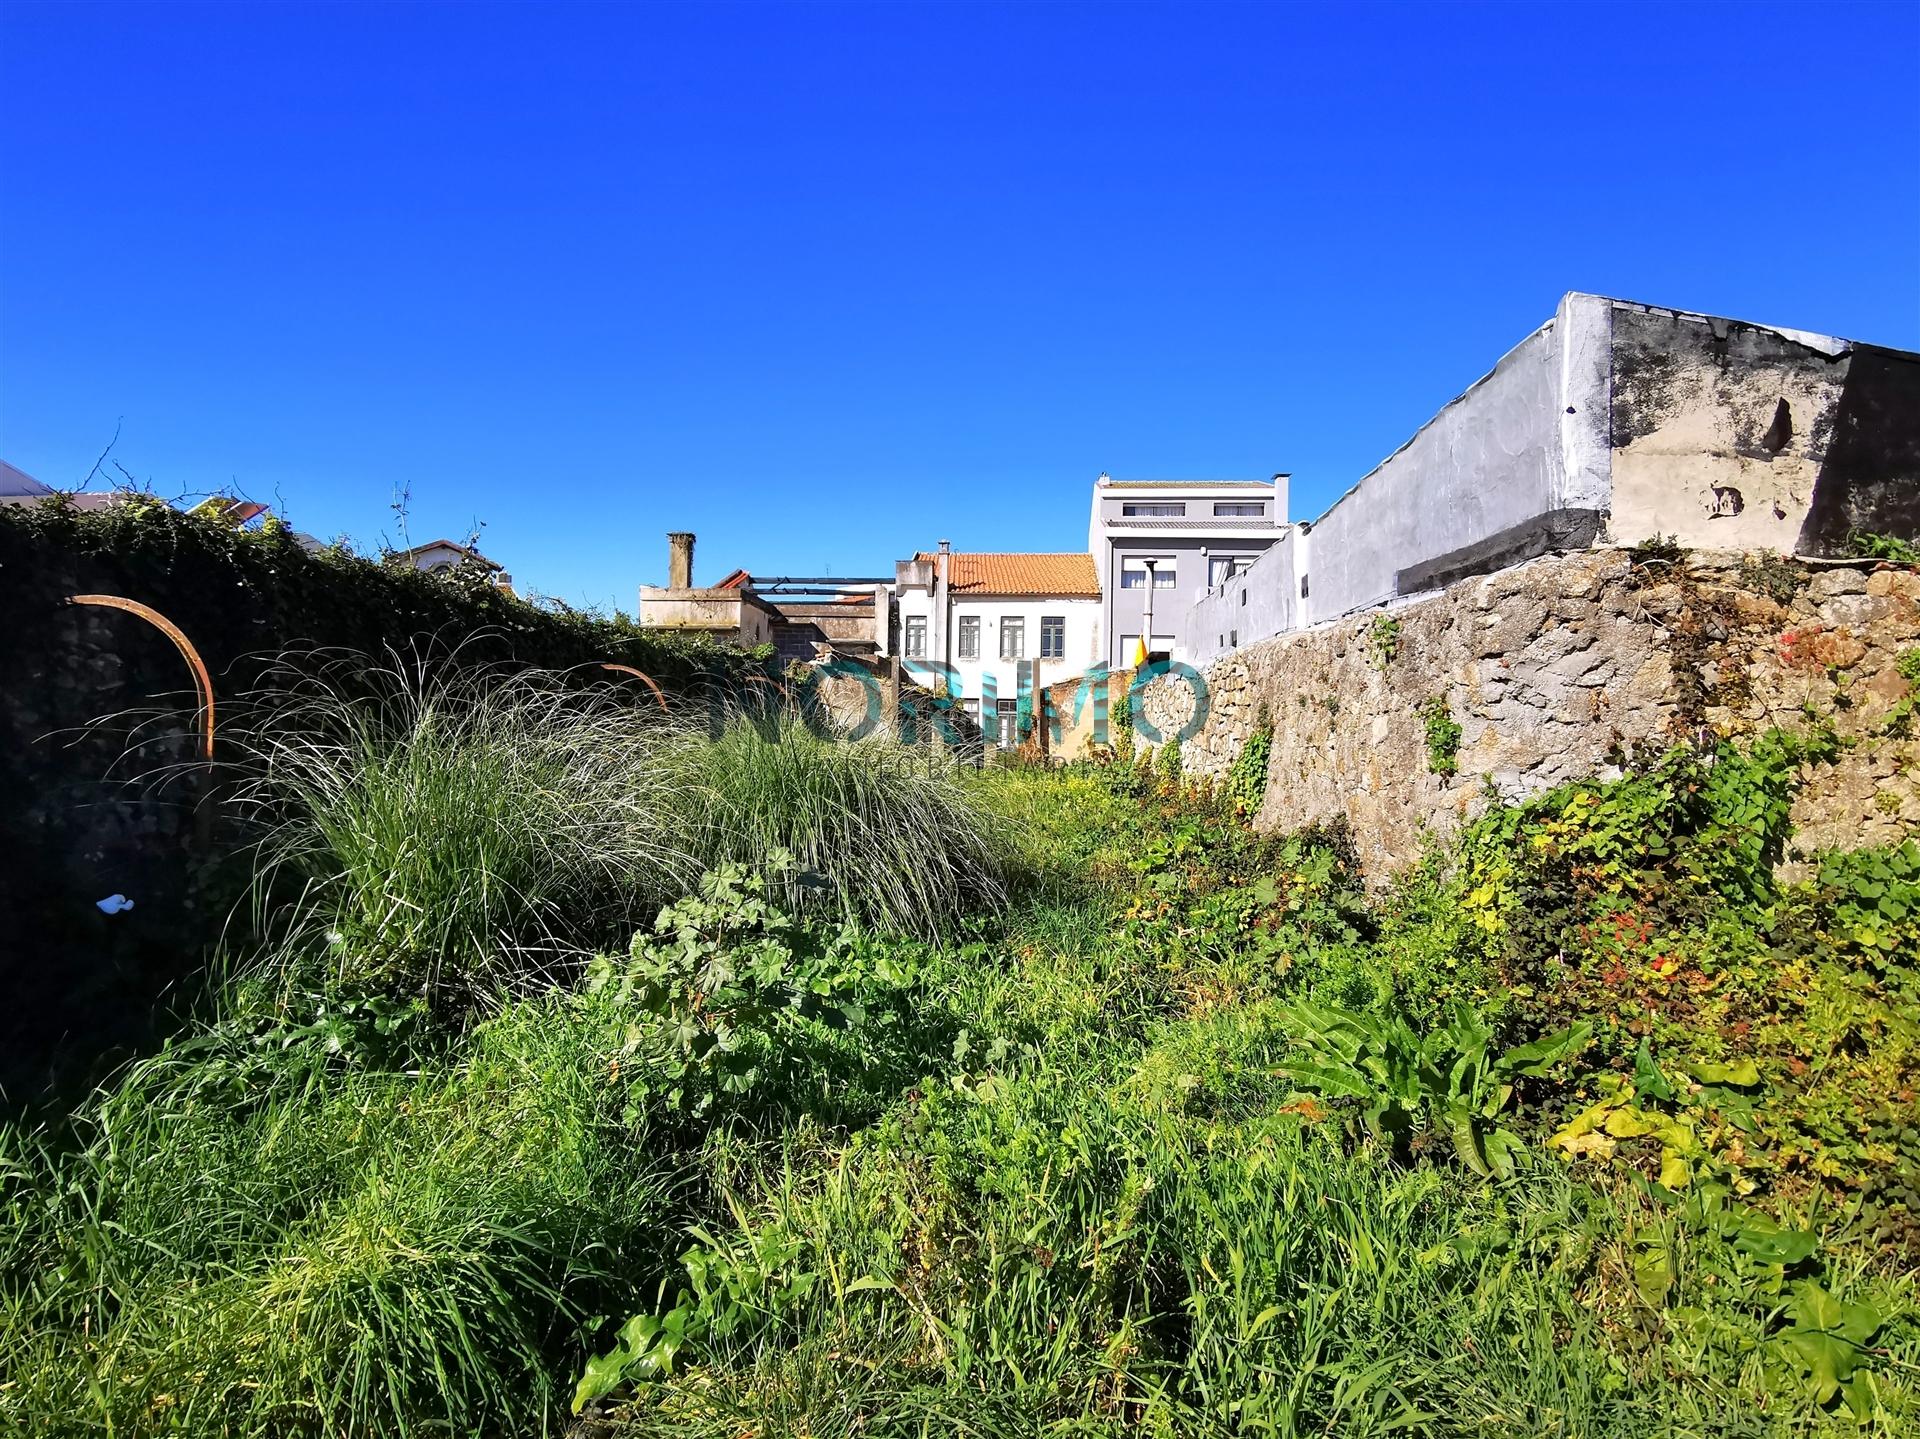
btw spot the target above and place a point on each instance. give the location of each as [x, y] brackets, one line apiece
[437, 829]
[440, 827]
[888, 835]
[350, 1252]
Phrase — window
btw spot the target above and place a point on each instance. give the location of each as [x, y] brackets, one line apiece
[1221, 568]
[916, 637]
[1155, 511]
[1007, 723]
[1013, 639]
[1133, 574]
[1223, 509]
[969, 637]
[1053, 637]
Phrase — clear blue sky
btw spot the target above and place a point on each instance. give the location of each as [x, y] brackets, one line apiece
[826, 284]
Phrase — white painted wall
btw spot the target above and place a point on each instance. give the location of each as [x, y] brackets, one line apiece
[1083, 638]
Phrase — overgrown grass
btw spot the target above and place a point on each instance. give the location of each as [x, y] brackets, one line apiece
[888, 835]
[1013, 1103]
[432, 829]
[302, 1245]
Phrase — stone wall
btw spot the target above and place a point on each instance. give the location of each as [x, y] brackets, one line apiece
[1551, 667]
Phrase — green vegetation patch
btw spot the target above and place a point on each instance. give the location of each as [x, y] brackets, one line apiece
[1589, 1125]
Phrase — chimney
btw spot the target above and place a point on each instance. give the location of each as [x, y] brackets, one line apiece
[680, 560]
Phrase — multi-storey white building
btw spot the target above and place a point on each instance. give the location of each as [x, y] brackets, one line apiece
[971, 621]
[1166, 543]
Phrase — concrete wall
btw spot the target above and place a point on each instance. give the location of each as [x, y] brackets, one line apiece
[1549, 667]
[1737, 436]
[1259, 601]
[1494, 469]
[729, 614]
[1613, 423]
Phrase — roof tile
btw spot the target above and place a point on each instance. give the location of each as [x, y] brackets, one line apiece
[1066, 576]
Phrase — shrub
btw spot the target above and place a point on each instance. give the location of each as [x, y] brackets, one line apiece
[1120, 722]
[1246, 787]
[1383, 641]
[1891, 548]
[1166, 762]
[1772, 575]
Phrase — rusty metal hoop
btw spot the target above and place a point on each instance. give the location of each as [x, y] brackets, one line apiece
[659, 698]
[202, 680]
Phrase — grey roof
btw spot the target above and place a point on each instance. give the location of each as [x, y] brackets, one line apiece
[15, 482]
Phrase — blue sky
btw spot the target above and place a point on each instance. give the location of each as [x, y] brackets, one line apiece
[825, 284]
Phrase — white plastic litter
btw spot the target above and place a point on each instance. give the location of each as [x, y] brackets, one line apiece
[114, 904]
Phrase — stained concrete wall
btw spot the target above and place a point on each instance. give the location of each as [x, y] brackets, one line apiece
[729, 614]
[1550, 666]
[1738, 436]
[1613, 423]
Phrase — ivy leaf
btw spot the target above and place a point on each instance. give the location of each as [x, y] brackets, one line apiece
[1742, 1074]
[1829, 1337]
[1648, 1081]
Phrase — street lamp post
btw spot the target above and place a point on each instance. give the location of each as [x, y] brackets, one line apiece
[1146, 625]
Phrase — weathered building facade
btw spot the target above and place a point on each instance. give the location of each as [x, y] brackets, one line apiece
[1613, 423]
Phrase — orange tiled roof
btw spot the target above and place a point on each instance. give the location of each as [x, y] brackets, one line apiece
[1068, 576]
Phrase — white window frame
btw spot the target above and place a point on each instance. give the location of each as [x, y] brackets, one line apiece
[913, 637]
[1014, 627]
[968, 642]
[1239, 509]
[1153, 510]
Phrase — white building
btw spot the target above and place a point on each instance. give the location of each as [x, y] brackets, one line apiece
[973, 621]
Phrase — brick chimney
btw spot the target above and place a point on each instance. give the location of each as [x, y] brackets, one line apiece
[680, 560]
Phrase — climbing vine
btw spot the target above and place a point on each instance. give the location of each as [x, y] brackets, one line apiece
[1443, 737]
[1247, 779]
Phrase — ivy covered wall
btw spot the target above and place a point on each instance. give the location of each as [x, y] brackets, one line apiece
[78, 828]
